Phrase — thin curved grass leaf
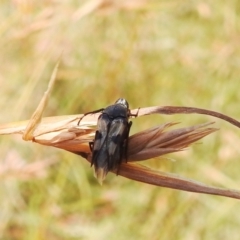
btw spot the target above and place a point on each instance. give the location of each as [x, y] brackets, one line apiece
[144, 174]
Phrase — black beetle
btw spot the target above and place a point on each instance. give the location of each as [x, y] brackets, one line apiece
[110, 144]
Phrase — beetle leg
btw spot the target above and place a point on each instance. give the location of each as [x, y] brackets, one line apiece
[134, 115]
[124, 147]
[91, 146]
[126, 141]
[85, 114]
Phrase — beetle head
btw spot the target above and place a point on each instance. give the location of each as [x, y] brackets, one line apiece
[123, 102]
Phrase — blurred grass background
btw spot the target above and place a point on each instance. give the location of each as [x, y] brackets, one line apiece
[151, 53]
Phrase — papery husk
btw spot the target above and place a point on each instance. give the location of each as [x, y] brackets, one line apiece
[155, 142]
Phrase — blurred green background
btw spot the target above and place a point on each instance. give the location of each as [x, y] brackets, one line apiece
[151, 53]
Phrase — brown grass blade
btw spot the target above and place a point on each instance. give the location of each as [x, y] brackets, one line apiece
[144, 174]
[169, 110]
